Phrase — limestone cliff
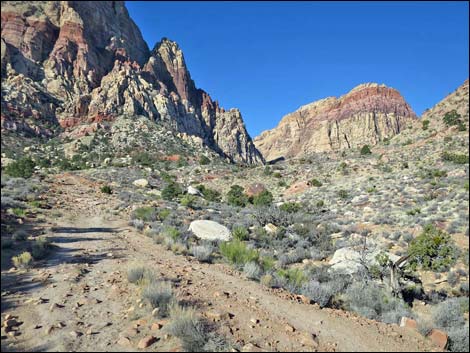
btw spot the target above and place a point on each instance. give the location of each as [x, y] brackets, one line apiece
[366, 115]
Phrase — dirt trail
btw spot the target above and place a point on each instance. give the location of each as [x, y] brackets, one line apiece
[79, 299]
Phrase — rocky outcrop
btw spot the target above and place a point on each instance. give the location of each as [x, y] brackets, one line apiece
[457, 100]
[89, 63]
[366, 115]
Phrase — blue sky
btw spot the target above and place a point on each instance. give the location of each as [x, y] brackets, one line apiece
[269, 58]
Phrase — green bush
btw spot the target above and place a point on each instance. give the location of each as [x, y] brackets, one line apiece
[209, 194]
[264, 198]
[343, 194]
[147, 214]
[188, 201]
[236, 196]
[296, 277]
[365, 150]
[455, 157]
[22, 168]
[452, 118]
[203, 160]
[236, 252]
[40, 248]
[106, 189]
[315, 182]
[425, 124]
[240, 233]
[171, 191]
[433, 250]
[291, 207]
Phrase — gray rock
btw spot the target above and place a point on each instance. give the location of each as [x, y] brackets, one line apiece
[209, 230]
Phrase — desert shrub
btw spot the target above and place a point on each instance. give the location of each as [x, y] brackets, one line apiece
[209, 194]
[135, 273]
[146, 214]
[40, 248]
[240, 233]
[320, 293]
[236, 196]
[365, 150]
[277, 175]
[295, 278]
[343, 194]
[202, 252]
[290, 207]
[138, 224]
[23, 260]
[188, 327]
[106, 189]
[252, 270]
[425, 124]
[203, 160]
[267, 263]
[456, 158]
[453, 118]
[316, 182]
[171, 191]
[433, 249]
[172, 233]
[369, 300]
[159, 295]
[142, 158]
[267, 280]
[453, 278]
[22, 168]
[20, 235]
[236, 252]
[188, 200]
[264, 198]
[458, 339]
[448, 314]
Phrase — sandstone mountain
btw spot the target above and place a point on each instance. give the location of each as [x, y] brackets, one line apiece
[72, 68]
[366, 115]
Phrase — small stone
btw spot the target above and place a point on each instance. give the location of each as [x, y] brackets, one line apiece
[156, 326]
[289, 328]
[146, 342]
[75, 334]
[124, 341]
[49, 330]
[408, 323]
[155, 311]
[308, 339]
[439, 338]
[255, 321]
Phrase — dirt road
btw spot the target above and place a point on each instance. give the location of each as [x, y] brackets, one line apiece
[79, 298]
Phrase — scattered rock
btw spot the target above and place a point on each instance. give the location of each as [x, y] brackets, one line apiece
[193, 191]
[408, 323]
[308, 339]
[146, 342]
[439, 338]
[289, 328]
[125, 342]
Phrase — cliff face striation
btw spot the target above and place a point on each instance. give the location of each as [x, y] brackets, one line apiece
[70, 66]
[366, 115]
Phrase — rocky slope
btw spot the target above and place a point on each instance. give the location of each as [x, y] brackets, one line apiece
[366, 115]
[76, 66]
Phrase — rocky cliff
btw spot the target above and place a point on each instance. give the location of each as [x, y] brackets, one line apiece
[366, 115]
[70, 66]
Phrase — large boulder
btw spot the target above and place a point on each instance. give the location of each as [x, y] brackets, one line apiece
[141, 183]
[349, 261]
[209, 230]
[193, 191]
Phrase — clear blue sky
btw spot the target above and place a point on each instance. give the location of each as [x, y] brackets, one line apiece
[269, 58]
